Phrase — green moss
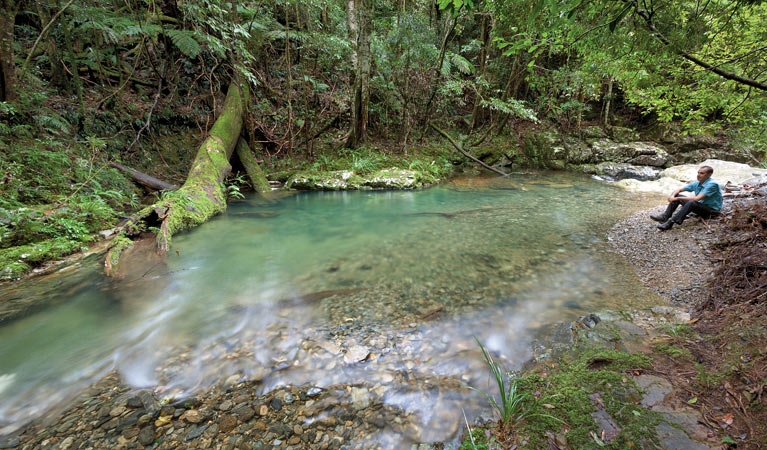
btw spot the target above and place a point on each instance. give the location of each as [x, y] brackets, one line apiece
[119, 244]
[256, 175]
[708, 378]
[16, 261]
[478, 439]
[567, 388]
[673, 351]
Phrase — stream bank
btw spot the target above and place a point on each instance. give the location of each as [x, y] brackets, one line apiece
[690, 375]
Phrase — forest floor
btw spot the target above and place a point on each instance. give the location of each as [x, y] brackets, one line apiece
[717, 269]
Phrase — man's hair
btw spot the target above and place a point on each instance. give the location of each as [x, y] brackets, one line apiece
[708, 169]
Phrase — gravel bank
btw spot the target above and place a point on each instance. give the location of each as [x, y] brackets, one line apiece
[675, 263]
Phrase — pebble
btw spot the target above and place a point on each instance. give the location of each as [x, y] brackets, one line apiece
[146, 436]
[193, 416]
[226, 405]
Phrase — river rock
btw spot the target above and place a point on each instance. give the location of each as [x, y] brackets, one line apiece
[724, 171]
[632, 152]
[227, 424]
[360, 398]
[193, 416]
[327, 181]
[654, 388]
[226, 405]
[622, 171]
[392, 179]
[146, 436]
[244, 413]
[663, 185]
[356, 353]
[10, 443]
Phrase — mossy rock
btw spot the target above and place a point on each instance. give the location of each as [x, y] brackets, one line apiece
[335, 180]
[339, 180]
[394, 179]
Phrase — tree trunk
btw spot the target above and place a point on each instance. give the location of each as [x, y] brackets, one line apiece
[203, 194]
[57, 70]
[608, 100]
[485, 38]
[145, 180]
[7, 65]
[256, 175]
[361, 88]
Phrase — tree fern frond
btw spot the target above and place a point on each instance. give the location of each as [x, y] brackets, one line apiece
[185, 41]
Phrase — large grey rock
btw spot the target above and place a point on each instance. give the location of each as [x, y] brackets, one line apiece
[631, 152]
[674, 438]
[340, 180]
[325, 181]
[724, 171]
[622, 171]
[663, 185]
[654, 389]
[392, 179]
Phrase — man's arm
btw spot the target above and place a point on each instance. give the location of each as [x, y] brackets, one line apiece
[675, 195]
[697, 198]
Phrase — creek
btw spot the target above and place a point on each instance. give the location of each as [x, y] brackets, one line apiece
[385, 291]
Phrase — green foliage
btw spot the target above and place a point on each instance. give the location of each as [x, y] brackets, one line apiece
[478, 439]
[567, 389]
[513, 407]
[185, 41]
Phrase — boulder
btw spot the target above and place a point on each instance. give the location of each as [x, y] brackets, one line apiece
[340, 180]
[724, 171]
[622, 171]
[642, 153]
[324, 181]
[392, 179]
[579, 152]
[663, 185]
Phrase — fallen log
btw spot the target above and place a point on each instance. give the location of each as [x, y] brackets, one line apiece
[144, 179]
[203, 194]
[256, 175]
[464, 153]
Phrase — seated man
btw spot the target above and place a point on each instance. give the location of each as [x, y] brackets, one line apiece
[706, 202]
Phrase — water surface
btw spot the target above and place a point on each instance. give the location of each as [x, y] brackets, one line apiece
[285, 291]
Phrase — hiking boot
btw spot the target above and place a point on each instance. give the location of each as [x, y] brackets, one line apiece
[666, 225]
[660, 218]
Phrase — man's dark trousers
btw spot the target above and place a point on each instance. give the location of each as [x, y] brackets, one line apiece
[687, 208]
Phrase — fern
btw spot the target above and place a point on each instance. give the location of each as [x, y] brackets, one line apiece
[185, 41]
[462, 64]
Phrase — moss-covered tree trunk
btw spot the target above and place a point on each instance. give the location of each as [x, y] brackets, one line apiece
[203, 194]
[8, 10]
[256, 175]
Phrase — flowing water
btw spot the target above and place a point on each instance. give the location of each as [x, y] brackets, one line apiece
[335, 288]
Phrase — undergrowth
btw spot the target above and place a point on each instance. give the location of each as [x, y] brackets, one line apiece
[559, 401]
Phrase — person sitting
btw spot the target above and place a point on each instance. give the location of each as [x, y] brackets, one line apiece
[706, 202]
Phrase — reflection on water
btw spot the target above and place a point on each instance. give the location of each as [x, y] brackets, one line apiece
[334, 288]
